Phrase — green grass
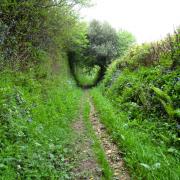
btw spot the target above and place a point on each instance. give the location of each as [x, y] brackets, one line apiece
[97, 147]
[85, 76]
[144, 158]
[35, 124]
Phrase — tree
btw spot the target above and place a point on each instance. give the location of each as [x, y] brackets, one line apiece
[77, 45]
[125, 40]
[103, 45]
[28, 27]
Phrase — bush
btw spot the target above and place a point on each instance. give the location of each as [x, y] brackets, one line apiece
[145, 84]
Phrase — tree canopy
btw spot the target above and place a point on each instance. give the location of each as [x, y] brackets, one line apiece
[29, 27]
[103, 43]
[125, 40]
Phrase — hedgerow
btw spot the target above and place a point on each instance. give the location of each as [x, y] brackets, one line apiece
[145, 84]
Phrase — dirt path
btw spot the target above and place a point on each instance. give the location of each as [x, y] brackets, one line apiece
[86, 166]
[111, 150]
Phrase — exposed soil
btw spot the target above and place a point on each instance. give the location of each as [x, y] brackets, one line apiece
[86, 166]
[111, 150]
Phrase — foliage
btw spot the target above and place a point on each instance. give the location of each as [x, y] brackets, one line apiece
[35, 124]
[86, 77]
[78, 42]
[38, 98]
[145, 145]
[98, 45]
[27, 27]
[164, 53]
[126, 40]
[103, 43]
[39, 103]
[166, 101]
[143, 86]
[138, 77]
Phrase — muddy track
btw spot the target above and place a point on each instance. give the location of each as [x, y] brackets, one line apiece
[111, 150]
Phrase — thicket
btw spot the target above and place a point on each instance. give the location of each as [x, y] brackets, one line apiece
[145, 84]
[146, 156]
[28, 28]
[36, 137]
[38, 98]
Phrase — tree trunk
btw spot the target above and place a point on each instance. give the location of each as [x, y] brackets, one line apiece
[101, 74]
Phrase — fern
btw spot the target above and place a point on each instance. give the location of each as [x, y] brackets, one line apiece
[166, 101]
[162, 94]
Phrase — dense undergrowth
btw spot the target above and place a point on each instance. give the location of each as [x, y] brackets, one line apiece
[35, 122]
[145, 157]
[147, 87]
[38, 98]
[143, 86]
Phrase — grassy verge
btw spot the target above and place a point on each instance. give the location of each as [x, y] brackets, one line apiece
[98, 150]
[145, 159]
[35, 124]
